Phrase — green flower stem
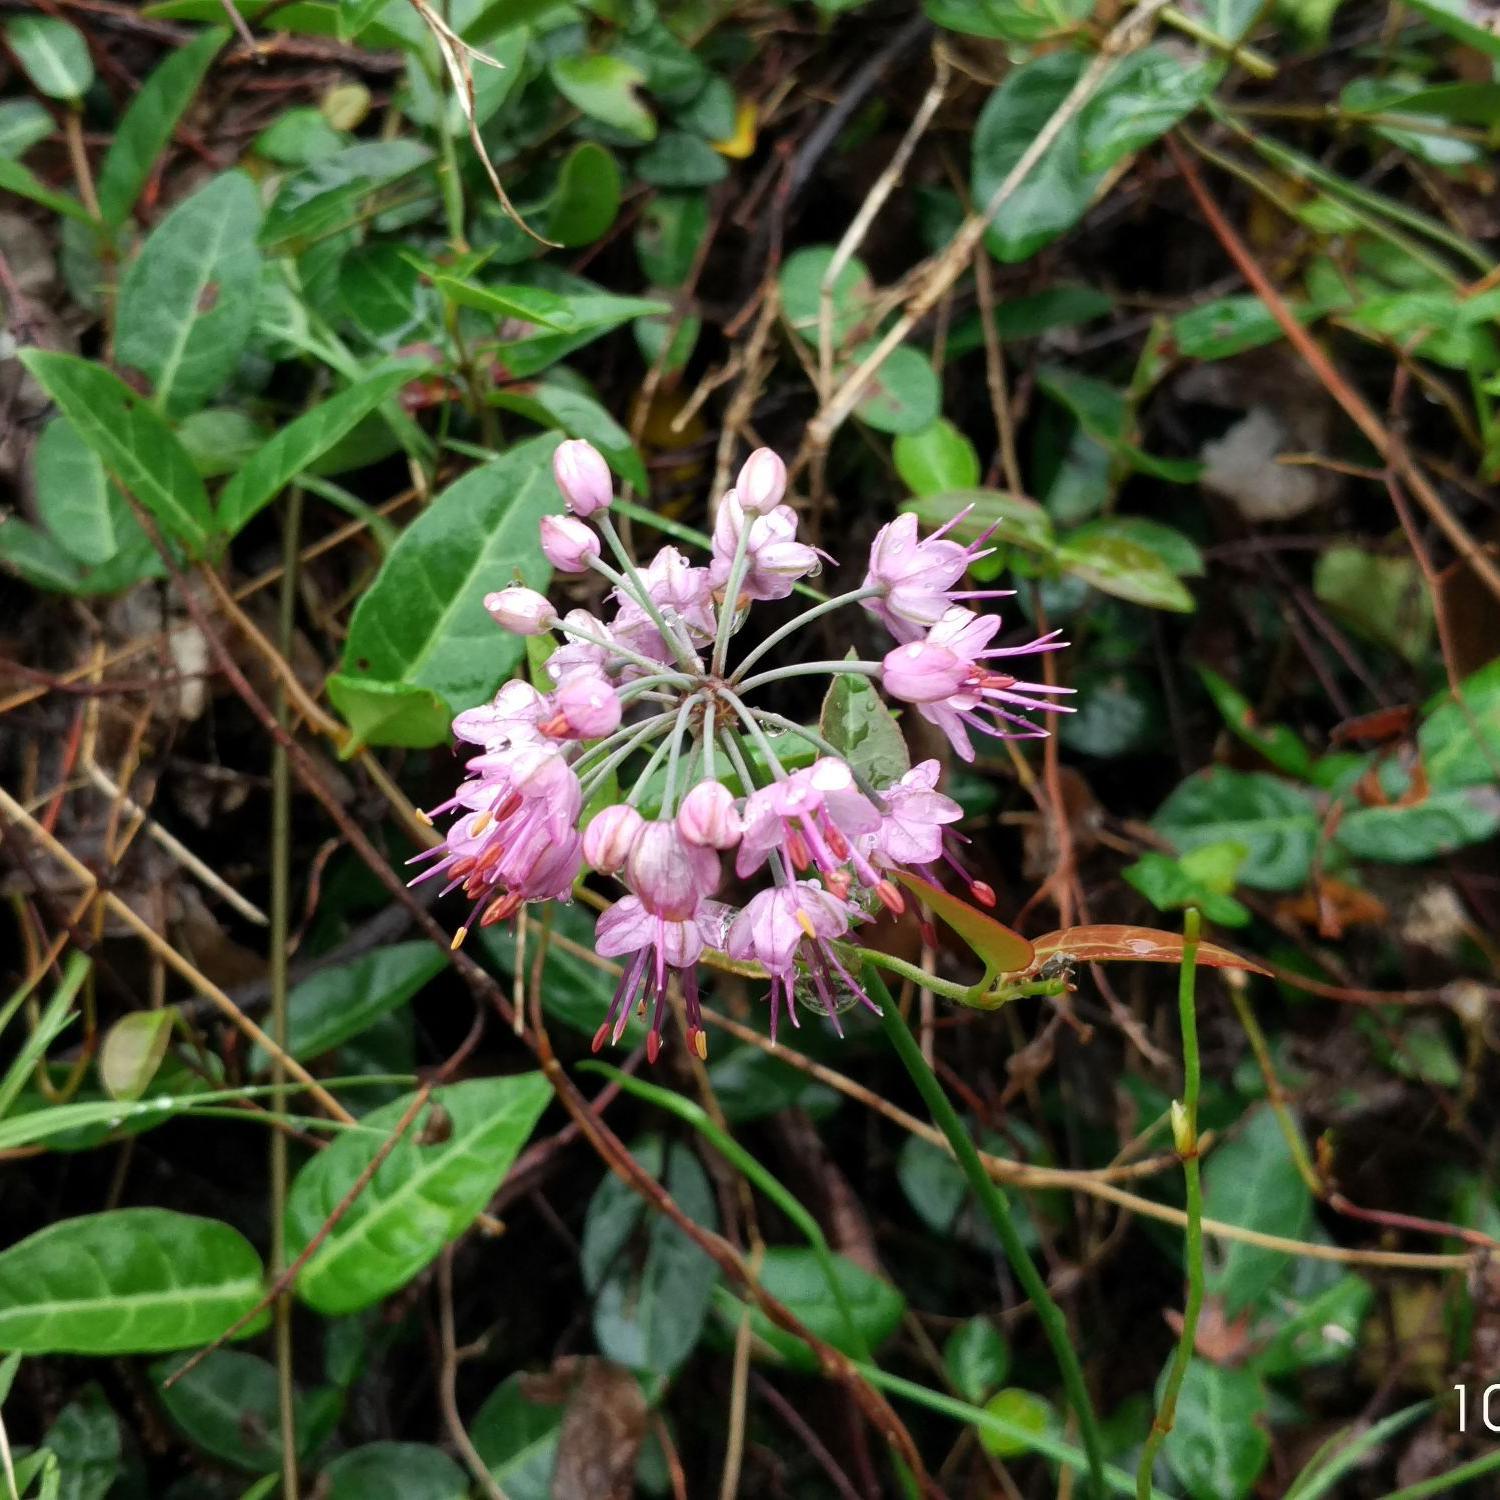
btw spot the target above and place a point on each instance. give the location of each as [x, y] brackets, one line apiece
[997, 1211]
[679, 733]
[635, 586]
[805, 618]
[596, 770]
[810, 669]
[742, 1161]
[791, 726]
[762, 743]
[1116, 1481]
[1185, 1133]
[652, 766]
[1445, 1484]
[963, 993]
[708, 741]
[730, 603]
[737, 759]
[624, 653]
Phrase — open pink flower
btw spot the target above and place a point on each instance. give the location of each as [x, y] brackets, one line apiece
[916, 813]
[774, 558]
[945, 676]
[819, 818]
[682, 594]
[516, 839]
[659, 949]
[789, 923]
[916, 575]
[510, 718]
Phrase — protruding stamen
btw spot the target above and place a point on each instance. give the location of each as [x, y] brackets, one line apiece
[458, 939]
[983, 892]
[600, 1037]
[805, 923]
[890, 898]
[653, 1046]
[700, 1044]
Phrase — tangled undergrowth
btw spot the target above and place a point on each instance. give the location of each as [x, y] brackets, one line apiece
[324, 459]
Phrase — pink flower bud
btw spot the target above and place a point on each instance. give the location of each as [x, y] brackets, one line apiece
[762, 482]
[582, 476]
[586, 707]
[669, 876]
[610, 836]
[520, 610]
[707, 818]
[568, 544]
[923, 672]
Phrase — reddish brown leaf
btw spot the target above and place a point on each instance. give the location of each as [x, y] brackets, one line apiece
[1111, 944]
[1001, 949]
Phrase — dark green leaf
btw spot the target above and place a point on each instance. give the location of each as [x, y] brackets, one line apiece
[933, 1182]
[301, 443]
[146, 127]
[795, 1277]
[649, 1308]
[378, 287]
[130, 1281]
[137, 447]
[86, 1439]
[517, 1439]
[188, 300]
[1252, 1180]
[340, 1002]
[594, 313]
[425, 1193]
[579, 416]
[679, 160]
[977, 1358]
[856, 722]
[323, 197]
[1140, 100]
[1279, 744]
[301, 18]
[801, 282]
[1275, 821]
[668, 235]
[1441, 823]
[1009, 20]
[394, 1471]
[586, 200]
[1460, 741]
[1054, 195]
[1217, 1446]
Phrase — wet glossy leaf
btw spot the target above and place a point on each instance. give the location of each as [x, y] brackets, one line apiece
[1117, 565]
[681, 161]
[936, 460]
[340, 1002]
[188, 300]
[378, 287]
[130, 1281]
[594, 313]
[132, 1052]
[1276, 821]
[649, 1308]
[425, 1193]
[1217, 1446]
[137, 447]
[52, 53]
[1002, 950]
[1109, 943]
[421, 627]
[146, 127]
[1141, 99]
[857, 723]
[527, 304]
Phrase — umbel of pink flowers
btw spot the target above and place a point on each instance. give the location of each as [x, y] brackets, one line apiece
[651, 684]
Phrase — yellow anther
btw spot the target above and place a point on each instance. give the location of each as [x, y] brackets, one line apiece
[458, 939]
[805, 923]
[700, 1044]
[481, 822]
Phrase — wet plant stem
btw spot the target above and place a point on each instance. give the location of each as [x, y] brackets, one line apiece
[281, 876]
[1185, 1134]
[997, 1211]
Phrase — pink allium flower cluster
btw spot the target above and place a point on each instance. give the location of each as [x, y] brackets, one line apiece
[646, 685]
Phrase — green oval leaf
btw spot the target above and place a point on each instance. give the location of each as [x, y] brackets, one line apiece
[426, 1192]
[137, 447]
[1003, 951]
[603, 88]
[394, 1471]
[131, 1281]
[132, 1052]
[53, 54]
[188, 300]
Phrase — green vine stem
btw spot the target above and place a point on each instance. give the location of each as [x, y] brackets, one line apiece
[1185, 1136]
[997, 1211]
